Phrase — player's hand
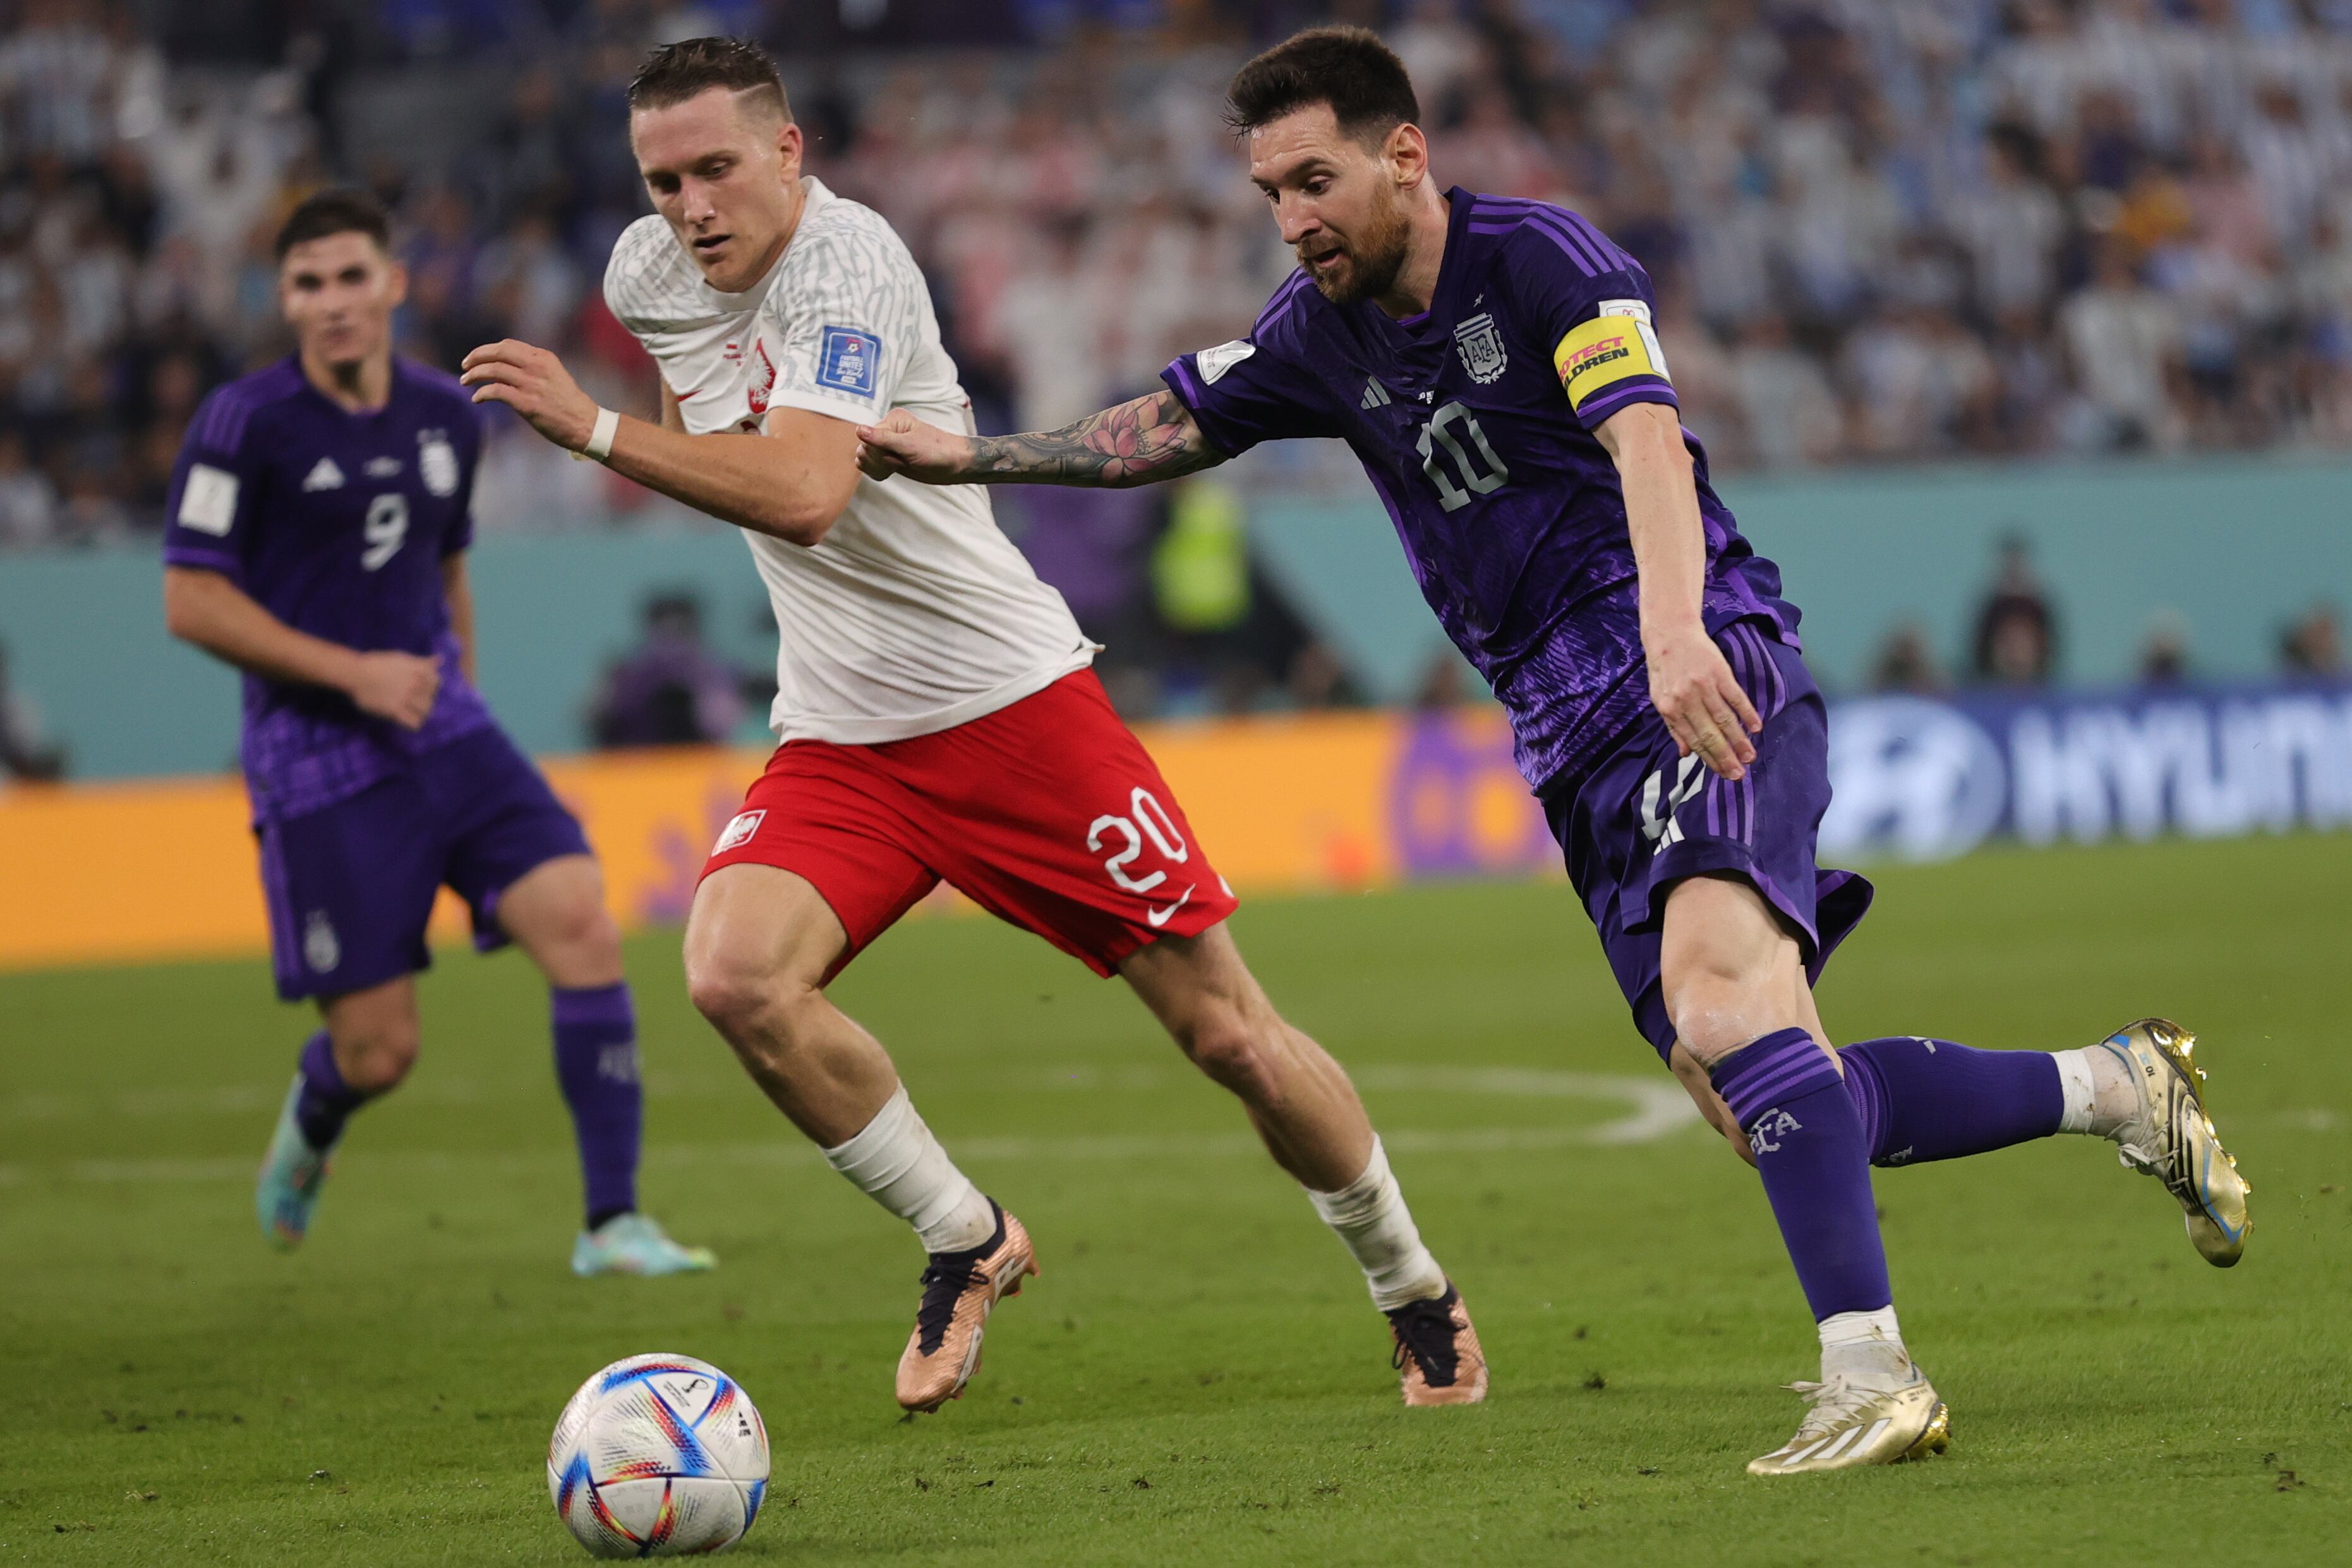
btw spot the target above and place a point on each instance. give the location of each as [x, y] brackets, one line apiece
[534, 384]
[396, 686]
[1698, 697]
[903, 444]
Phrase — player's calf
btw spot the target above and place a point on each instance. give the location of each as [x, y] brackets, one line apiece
[1303, 1106]
[1923, 1100]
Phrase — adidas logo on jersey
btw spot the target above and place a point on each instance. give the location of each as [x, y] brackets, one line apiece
[323, 476]
[1375, 395]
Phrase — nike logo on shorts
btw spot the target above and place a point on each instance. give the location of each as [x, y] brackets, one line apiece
[1161, 917]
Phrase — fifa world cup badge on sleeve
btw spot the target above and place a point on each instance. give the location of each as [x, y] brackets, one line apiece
[1213, 363]
[208, 503]
[850, 359]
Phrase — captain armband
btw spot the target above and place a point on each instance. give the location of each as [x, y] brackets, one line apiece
[1614, 345]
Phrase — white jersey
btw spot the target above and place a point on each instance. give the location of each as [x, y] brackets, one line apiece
[915, 613]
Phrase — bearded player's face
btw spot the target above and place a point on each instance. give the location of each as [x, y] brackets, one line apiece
[1337, 200]
[723, 170]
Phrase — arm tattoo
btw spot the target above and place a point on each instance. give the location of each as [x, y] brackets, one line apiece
[1152, 438]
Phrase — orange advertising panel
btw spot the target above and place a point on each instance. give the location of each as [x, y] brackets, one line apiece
[111, 873]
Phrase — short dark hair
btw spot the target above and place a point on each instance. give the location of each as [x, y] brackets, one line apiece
[1348, 68]
[339, 209]
[691, 67]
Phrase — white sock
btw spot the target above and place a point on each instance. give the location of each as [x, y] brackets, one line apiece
[897, 1164]
[2075, 1080]
[2102, 1097]
[1369, 1215]
[1866, 1346]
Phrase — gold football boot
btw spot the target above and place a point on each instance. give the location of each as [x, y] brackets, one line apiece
[960, 1291]
[1854, 1424]
[2172, 1138]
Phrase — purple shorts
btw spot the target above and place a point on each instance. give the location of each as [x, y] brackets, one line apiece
[351, 886]
[1645, 818]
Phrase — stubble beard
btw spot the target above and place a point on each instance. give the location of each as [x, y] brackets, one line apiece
[1375, 260]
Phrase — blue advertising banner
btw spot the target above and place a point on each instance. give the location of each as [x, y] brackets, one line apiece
[1919, 778]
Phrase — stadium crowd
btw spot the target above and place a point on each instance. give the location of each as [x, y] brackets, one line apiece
[1883, 229]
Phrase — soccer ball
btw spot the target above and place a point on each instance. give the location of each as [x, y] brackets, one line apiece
[658, 1456]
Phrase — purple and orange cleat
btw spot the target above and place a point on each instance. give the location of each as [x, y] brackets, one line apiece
[959, 1290]
[1437, 1354]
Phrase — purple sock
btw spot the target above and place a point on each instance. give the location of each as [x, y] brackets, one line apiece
[326, 1101]
[1931, 1099]
[596, 1062]
[1808, 1138]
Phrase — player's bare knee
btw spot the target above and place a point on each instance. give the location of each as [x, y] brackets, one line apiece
[728, 992]
[1715, 1008]
[592, 944]
[376, 1057]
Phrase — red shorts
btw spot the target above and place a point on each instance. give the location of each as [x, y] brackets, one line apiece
[1048, 814]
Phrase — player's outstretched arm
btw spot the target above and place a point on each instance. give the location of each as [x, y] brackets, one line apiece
[208, 610]
[789, 482]
[1691, 682]
[1154, 437]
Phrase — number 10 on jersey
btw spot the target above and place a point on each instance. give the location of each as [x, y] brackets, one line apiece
[1442, 449]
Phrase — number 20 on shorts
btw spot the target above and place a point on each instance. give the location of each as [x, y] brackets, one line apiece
[1147, 819]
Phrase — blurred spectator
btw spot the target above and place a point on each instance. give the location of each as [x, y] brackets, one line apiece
[2313, 643]
[2016, 641]
[1318, 680]
[1891, 232]
[28, 502]
[1445, 685]
[1904, 663]
[26, 751]
[670, 690]
[2164, 657]
[2122, 339]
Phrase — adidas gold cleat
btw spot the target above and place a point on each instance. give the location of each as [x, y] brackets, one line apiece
[1852, 1424]
[960, 1291]
[2172, 1138]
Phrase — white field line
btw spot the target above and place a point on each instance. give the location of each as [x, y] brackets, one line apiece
[1658, 1107]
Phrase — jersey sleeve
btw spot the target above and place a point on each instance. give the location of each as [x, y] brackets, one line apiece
[208, 512]
[843, 325]
[1593, 306]
[1249, 391]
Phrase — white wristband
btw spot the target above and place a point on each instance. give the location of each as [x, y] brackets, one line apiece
[600, 439]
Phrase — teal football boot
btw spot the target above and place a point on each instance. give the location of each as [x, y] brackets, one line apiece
[291, 1175]
[635, 1244]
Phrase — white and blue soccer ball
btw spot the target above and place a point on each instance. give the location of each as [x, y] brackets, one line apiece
[658, 1456]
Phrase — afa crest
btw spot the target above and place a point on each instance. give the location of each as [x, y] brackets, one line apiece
[1481, 347]
[436, 463]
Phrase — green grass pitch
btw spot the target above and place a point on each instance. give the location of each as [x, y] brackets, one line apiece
[1197, 1377]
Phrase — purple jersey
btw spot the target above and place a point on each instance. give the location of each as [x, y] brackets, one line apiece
[337, 523]
[1474, 421]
